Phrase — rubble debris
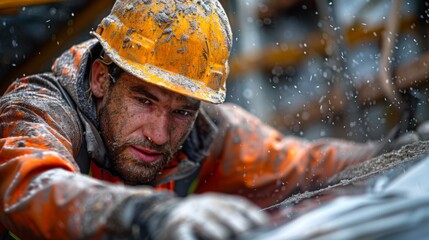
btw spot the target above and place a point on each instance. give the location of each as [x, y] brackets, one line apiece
[351, 176]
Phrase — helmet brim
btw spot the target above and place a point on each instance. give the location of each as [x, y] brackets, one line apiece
[171, 81]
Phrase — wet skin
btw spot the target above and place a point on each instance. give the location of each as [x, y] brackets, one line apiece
[142, 125]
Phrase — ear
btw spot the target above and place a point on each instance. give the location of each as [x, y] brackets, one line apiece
[99, 79]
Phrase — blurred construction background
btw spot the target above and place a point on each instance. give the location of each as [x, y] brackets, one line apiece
[311, 68]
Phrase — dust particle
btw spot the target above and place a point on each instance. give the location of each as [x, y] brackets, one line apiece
[130, 7]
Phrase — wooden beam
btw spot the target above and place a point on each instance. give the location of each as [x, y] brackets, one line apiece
[283, 54]
[64, 37]
[5, 4]
[12, 7]
[272, 8]
[292, 53]
[414, 74]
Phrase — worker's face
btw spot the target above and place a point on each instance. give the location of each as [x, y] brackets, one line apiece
[143, 126]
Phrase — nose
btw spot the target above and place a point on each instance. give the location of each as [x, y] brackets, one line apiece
[158, 130]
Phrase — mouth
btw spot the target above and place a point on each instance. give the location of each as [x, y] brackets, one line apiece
[145, 154]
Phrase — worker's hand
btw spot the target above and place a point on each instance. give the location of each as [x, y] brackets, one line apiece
[400, 141]
[395, 140]
[205, 216]
[423, 131]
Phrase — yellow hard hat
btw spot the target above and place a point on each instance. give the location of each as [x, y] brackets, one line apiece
[182, 46]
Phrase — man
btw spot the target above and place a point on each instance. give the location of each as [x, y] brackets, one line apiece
[90, 150]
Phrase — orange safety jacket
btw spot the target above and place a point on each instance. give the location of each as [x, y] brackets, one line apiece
[46, 144]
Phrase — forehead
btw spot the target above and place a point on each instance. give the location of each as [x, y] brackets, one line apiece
[137, 85]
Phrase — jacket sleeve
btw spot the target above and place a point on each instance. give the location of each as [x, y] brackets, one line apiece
[42, 193]
[252, 159]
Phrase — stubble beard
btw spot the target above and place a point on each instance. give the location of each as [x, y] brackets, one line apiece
[133, 170]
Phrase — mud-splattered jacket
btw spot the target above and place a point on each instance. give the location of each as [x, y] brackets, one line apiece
[45, 193]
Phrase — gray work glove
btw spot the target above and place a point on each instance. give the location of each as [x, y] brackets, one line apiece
[423, 131]
[205, 216]
[395, 140]
[406, 131]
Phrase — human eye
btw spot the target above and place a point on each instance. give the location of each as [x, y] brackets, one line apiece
[143, 100]
[184, 113]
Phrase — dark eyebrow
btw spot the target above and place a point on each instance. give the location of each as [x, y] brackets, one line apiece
[142, 90]
[191, 104]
